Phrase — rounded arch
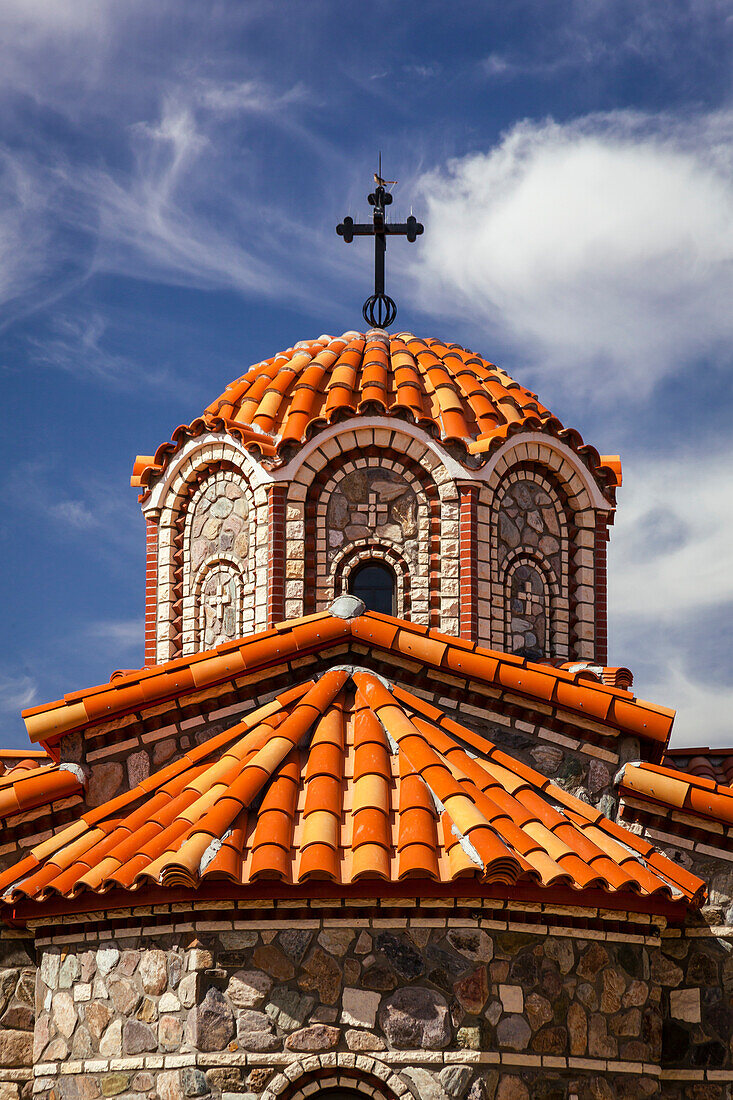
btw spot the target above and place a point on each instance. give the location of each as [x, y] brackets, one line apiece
[358, 555]
[179, 564]
[375, 498]
[193, 456]
[531, 522]
[532, 606]
[371, 1080]
[218, 601]
[555, 457]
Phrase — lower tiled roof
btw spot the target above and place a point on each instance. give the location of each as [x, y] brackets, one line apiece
[670, 788]
[342, 779]
[705, 763]
[32, 779]
[575, 692]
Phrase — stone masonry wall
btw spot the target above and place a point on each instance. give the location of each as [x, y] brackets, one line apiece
[450, 1009]
[17, 1015]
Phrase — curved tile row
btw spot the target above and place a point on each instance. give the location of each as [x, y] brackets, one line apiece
[342, 779]
[37, 781]
[678, 790]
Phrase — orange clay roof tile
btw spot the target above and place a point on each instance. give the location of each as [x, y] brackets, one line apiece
[35, 780]
[305, 788]
[445, 389]
[570, 691]
[715, 765]
[666, 789]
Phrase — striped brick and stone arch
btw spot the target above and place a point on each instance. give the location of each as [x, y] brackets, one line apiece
[534, 611]
[193, 534]
[582, 514]
[293, 515]
[218, 581]
[348, 1076]
[350, 559]
[530, 540]
[403, 499]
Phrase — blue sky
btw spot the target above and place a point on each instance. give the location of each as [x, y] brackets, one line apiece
[170, 178]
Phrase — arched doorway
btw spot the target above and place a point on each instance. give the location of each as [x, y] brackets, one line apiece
[375, 583]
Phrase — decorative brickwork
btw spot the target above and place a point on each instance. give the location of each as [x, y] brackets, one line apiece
[600, 588]
[375, 502]
[151, 587]
[218, 602]
[211, 516]
[365, 550]
[277, 567]
[469, 553]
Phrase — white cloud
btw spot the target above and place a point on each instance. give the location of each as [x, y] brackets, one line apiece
[702, 711]
[74, 514]
[671, 544]
[670, 581]
[601, 249]
[16, 693]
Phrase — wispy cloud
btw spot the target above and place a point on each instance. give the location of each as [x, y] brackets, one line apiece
[16, 693]
[118, 634]
[602, 248]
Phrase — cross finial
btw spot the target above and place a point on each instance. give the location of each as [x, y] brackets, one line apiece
[380, 310]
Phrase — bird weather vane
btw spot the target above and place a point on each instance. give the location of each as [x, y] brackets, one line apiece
[379, 310]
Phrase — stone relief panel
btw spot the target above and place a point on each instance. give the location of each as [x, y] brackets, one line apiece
[528, 519]
[374, 507]
[530, 567]
[220, 523]
[528, 612]
[220, 607]
[218, 596]
[371, 504]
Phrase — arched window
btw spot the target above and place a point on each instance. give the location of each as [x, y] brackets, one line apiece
[375, 584]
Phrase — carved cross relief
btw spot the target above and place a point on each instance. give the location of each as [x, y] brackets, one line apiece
[374, 511]
[218, 601]
[528, 598]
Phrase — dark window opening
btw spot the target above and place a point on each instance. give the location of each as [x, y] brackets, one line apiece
[376, 585]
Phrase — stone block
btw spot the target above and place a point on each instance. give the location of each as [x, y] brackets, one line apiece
[359, 1007]
[316, 1037]
[512, 998]
[415, 1018]
[684, 1004]
[210, 1025]
[248, 988]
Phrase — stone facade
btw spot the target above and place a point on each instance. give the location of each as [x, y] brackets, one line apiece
[17, 1015]
[439, 1007]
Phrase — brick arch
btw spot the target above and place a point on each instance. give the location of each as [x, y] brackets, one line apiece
[415, 474]
[562, 600]
[369, 1078]
[365, 550]
[552, 598]
[230, 572]
[172, 550]
[543, 454]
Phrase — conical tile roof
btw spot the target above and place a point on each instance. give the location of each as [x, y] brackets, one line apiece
[345, 779]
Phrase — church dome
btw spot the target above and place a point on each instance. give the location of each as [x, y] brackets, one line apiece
[447, 390]
[458, 397]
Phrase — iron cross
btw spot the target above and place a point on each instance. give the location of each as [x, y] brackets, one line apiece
[380, 310]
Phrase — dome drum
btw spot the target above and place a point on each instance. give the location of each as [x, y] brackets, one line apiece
[413, 455]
